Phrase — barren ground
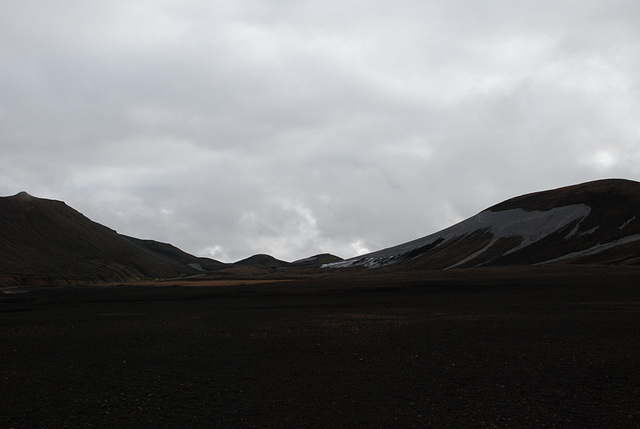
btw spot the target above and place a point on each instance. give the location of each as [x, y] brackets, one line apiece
[527, 347]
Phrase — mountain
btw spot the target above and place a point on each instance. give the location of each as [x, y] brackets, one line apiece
[174, 254]
[45, 241]
[262, 260]
[591, 223]
[316, 260]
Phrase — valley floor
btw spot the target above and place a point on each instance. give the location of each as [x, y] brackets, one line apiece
[483, 348]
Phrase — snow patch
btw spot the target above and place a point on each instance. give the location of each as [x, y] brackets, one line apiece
[574, 232]
[600, 247]
[13, 290]
[627, 222]
[196, 266]
[531, 226]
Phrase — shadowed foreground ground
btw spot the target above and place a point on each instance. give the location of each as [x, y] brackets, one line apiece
[519, 351]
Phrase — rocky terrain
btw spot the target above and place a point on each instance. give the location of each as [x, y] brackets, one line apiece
[544, 346]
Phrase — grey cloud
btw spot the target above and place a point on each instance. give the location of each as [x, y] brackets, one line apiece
[293, 128]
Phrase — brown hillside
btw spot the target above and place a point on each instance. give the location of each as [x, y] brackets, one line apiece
[48, 241]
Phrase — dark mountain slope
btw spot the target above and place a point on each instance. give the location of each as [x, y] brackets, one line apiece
[172, 253]
[612, 192]
[592, 223]
[47, 241]
[316, 260]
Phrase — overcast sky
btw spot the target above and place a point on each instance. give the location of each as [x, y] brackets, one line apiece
[230, 128]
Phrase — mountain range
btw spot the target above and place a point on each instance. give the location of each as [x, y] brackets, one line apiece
[45, 241]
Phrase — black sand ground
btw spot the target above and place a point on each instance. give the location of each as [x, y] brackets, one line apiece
[559, 351]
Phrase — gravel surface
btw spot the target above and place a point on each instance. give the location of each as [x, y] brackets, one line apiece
[323, 354]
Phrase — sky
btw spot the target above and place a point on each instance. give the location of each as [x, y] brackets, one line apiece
[231, 128]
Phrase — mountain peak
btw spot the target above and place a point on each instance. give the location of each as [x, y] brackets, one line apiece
[22, 196]
[263, 260]
[593, 193]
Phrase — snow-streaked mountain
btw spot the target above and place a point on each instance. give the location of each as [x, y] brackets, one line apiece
[595, 222]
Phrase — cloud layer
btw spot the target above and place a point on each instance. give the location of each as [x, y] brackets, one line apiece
[231, 128]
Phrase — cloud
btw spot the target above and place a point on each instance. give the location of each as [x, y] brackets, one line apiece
[294, 128]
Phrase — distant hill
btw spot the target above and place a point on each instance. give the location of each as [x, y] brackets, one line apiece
[591, 223]
[46, 241]
[317, 260]
[262, 260]
[172, 253]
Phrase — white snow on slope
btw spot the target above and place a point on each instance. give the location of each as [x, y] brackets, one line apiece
[196, 266]
[305, 260]
[530, 225]
[627, 222]
[600, 247]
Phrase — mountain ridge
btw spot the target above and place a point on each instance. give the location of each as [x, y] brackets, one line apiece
[45, 241]
[592, 222]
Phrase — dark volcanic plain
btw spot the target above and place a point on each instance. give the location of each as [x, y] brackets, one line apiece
[542, 346]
